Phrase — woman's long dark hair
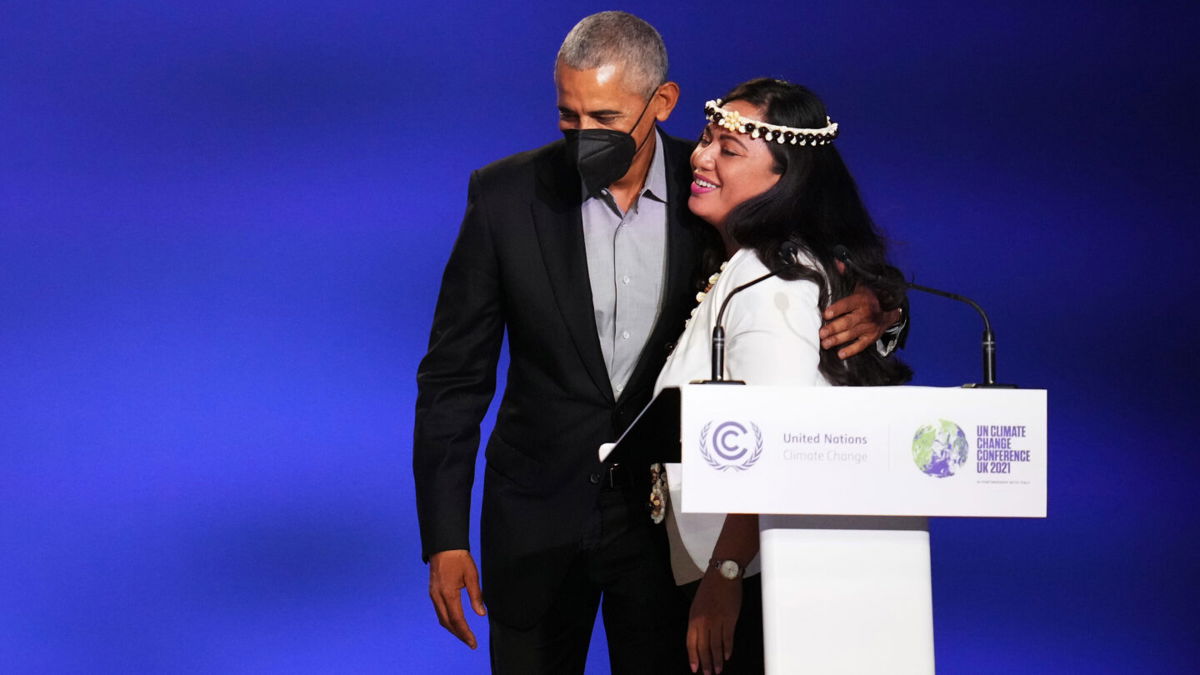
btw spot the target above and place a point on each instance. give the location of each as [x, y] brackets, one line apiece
[816, 205]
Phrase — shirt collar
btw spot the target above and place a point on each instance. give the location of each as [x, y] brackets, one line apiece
[656, 180]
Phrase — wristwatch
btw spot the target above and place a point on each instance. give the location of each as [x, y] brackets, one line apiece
[730, 569]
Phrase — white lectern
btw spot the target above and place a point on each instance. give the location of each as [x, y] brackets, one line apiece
[843, 479]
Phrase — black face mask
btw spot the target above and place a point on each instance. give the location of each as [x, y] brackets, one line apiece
[602, 156]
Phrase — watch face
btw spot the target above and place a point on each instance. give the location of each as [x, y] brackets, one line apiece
[729, 569]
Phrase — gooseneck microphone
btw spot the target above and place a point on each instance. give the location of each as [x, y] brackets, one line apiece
[787, 252]
[989, 338]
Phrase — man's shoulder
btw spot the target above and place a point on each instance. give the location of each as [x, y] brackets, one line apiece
[678, 152]
[519, 168]
[677, 146]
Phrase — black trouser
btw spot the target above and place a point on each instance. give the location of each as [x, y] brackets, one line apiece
[622, 568]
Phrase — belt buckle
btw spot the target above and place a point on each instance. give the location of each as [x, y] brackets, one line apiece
[612, 479]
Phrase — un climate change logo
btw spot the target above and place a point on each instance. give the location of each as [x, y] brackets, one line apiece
[733, 445]
[940, 449]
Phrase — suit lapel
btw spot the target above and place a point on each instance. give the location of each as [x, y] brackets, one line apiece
[559, 227]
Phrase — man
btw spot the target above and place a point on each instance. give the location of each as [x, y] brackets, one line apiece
[585, 252]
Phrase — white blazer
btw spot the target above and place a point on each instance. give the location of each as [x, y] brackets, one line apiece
[770, 338]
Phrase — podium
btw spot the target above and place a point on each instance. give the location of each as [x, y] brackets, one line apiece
[844, 479]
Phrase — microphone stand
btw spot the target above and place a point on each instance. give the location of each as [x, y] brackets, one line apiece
[718, 336]
[988, 342]
[787, 253]
[989, 338]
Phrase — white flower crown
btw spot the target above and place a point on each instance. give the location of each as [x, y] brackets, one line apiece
[733, 121]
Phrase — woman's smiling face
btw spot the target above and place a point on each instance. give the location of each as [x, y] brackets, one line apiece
[728, 168]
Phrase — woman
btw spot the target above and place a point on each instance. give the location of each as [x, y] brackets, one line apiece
[766, 176]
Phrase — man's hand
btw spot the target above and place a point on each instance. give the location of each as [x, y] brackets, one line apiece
[855, 322]
[449, 573]
[711, 622]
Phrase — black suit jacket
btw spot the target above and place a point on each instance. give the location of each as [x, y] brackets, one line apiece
[519, 264]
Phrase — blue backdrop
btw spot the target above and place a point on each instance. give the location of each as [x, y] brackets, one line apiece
[222, 227]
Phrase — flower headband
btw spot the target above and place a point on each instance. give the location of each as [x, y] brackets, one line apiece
[733, 121]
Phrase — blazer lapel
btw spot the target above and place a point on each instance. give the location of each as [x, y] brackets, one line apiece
[559, 227]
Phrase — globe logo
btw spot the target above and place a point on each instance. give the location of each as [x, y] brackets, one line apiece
[940, 449]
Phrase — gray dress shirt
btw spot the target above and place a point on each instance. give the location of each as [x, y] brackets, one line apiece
[626, 259]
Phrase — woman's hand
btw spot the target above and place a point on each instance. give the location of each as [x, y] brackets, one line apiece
[711, 622]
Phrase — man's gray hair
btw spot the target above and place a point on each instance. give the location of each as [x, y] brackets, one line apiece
[617, 38]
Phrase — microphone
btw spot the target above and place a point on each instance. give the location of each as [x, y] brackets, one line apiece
[989, 338]
[788, 251]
